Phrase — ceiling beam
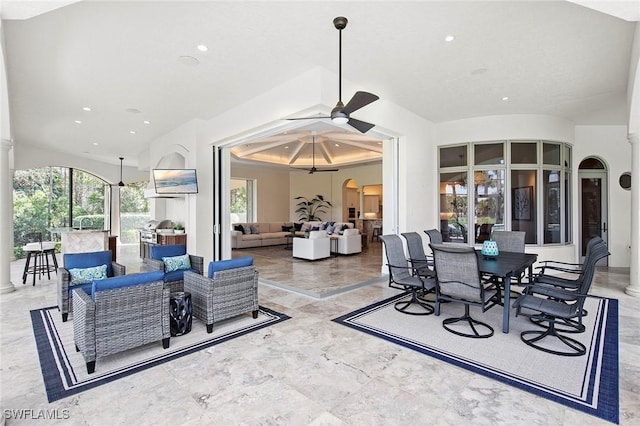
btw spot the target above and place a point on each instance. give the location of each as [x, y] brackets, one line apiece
[366, 146]
[325, 152]
[295, 153]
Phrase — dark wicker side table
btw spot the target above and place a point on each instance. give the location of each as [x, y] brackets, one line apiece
[180, 313]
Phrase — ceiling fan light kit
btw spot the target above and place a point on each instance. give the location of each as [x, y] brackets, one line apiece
[341, 114]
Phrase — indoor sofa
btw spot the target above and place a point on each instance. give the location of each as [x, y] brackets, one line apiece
[259, 234]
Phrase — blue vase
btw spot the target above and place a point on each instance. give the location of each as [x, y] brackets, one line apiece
[490, 249]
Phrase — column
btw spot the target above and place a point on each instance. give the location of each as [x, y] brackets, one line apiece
[6, 218]
[361, 202]
[634, 286]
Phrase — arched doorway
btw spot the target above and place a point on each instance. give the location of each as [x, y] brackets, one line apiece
[593, 199]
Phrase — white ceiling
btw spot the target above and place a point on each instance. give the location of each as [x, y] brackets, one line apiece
[549, 57]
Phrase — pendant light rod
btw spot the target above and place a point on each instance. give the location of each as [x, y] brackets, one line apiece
[121, 183]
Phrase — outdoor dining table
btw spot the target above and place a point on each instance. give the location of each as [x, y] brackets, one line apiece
[505, 266]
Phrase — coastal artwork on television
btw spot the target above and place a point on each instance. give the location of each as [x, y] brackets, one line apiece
[175, 181]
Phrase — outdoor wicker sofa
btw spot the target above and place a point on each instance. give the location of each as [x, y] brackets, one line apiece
[120, 313]
[230, 289]
[81, 261]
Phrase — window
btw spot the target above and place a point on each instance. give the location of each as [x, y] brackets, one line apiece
[134, 214]
[530, 193]
[91, 201]
[243, 200]
[453, 206]
[57, 197]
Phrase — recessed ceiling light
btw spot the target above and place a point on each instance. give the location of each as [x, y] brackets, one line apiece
[95, 144]
[78, 122]
[86, 108]
[146, 122]
[337, 144]
[449, 38]
[286, 147]
[202, 48]
[505, 98]
[133, 132]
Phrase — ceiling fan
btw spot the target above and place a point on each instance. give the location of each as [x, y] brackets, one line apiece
[313, 168]
[341, 113]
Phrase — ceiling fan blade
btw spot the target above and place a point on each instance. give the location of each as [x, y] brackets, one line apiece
[308, 118]
[359, 100]
[361, 126]
[326, 170]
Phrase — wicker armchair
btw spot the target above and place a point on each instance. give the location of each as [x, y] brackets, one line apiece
[229, 293]
[82, 260]
[174, 280]
[140, 302]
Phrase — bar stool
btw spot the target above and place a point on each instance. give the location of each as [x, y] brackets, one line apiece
[376, 231]
[40, 251]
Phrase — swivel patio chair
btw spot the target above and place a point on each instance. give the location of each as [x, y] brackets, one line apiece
[404, 276]
[511, 241]
[419, 260]
[549, 306]
[435, 237]
[459, 280]
[562, 289]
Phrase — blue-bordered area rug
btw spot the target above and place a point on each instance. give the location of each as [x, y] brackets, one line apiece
[588, 383]
[64, 370]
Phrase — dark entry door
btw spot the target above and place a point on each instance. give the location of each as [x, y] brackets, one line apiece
[593, 208]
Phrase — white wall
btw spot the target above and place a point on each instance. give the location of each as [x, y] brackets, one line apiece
[610, 144]
[272, 190]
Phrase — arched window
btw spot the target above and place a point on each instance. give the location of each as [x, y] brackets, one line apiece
[58, 197]
[519, 185]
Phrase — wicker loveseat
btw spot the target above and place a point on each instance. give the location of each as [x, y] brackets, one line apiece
[80, 261]
[120, 313]
[229, 289]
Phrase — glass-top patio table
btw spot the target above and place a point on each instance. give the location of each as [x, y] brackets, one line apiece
[506, 265]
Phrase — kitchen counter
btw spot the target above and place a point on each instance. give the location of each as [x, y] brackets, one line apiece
[82, 241]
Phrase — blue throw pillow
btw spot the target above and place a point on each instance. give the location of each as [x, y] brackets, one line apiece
[176, 263]
[87, 275]
[255, 229]
[330, 229]
[222, 265]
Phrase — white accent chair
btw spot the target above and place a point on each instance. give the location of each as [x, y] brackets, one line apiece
[350, 241]
[317, 246]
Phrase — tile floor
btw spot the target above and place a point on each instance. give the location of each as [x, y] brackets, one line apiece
[305, 371]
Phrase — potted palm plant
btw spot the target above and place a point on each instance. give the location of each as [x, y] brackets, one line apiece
[310, 209]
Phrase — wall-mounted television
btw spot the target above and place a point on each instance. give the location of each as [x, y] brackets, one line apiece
[175, 181]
